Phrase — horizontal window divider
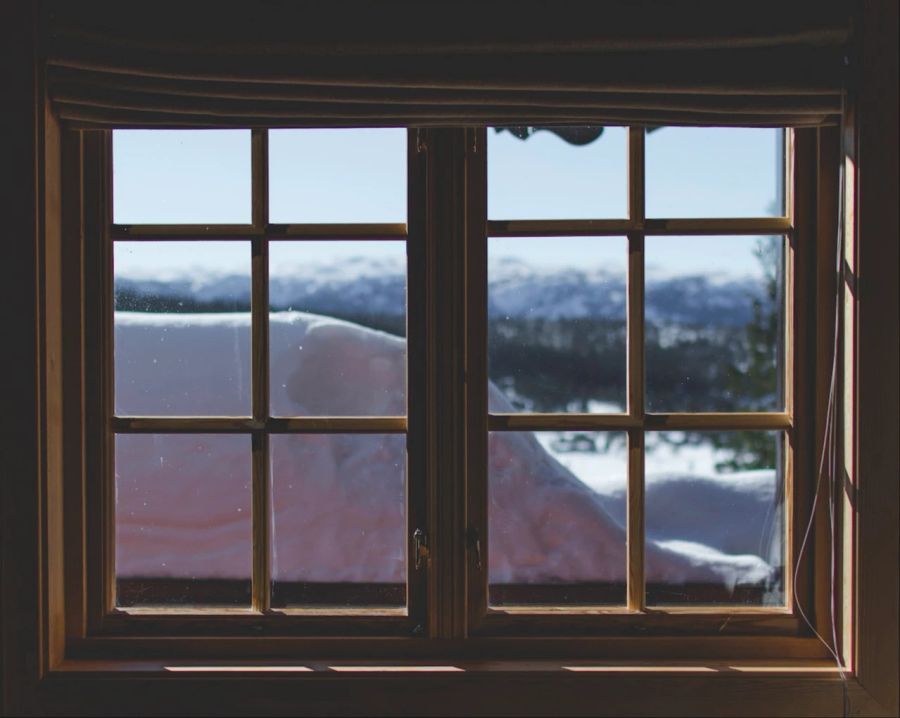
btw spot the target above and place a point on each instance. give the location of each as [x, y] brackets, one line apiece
[651, 422]
[737, 225]
[272, 425]
[616, 227]
[183, 232]
[713, 421]
[274, 232]
[562, 227]
[356, 231]
[551, 422]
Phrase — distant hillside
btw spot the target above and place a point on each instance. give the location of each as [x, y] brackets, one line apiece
[517, 291]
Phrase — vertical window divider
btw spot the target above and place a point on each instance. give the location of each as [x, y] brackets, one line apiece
[636, 371]
[477, 379]
[259, 308]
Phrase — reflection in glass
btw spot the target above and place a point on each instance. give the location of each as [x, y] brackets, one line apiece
[337, 175]
[544, 176]
[716, 499]
[181, 176]
[182, 328]
[714, 323]
[557, 323]
[715, 172]
[337, 328]
[339, 520]
[183, 520]
[554, 537]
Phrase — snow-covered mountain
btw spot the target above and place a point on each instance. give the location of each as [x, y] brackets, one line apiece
[516, 290]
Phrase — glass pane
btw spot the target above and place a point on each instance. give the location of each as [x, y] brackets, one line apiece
[556, 324]
[182, 328]
[183, 521]
[337, 329]
[337, 175]
[339, 520]
[715, 323]
[557, 173]
[715, 172]
[556, 518]
[715, 500]
[181, 177]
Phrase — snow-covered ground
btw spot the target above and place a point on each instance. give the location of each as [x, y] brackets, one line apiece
[556, 515]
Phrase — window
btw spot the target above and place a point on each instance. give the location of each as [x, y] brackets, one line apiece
[628, 414]
[78, 69]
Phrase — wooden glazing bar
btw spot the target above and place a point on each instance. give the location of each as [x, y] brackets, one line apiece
[635, 521]
[184, 232]
[636, 181]
[477, 419]
[718, 421]
[188, 232]
[561, 422]
[662, 227]
[338, 425]
[338, 231]
[736, 226]
[558, 227]
[259, 309]
[635, 374]
[271, 425]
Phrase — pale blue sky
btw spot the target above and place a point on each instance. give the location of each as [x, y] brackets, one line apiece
[359, 175]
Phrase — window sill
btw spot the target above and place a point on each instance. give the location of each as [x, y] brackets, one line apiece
[471, 687]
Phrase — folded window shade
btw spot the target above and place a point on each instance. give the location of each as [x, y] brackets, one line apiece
[347, 63]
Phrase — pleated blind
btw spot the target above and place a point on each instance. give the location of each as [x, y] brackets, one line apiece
[345, 63]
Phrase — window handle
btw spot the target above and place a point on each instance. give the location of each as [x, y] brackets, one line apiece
[420, 540]
[475, 544]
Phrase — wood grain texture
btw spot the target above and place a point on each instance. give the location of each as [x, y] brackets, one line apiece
[878, 358]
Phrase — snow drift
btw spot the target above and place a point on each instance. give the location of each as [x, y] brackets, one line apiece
[183, 502]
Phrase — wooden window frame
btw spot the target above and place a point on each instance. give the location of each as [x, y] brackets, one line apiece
[446, 242]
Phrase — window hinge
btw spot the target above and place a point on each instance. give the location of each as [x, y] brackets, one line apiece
[421, 145]
[420, 539]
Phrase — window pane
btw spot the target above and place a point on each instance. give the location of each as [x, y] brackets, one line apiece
[337, 175]
[181, 176]
[715, 172]
[338, 328]
[556, 519]
[183, 521]
[182, 328]
[556, 323]
[714, 323]
[339, 521]
[535, 173]
[716, 499]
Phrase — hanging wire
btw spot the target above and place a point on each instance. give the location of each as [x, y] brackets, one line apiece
[828, 459]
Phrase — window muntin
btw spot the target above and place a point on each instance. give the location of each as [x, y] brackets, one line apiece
[509, 229]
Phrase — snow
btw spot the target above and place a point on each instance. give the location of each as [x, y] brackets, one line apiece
[339, 500]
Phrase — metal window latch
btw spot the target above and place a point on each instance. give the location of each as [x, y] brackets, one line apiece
[475, 544]
[420, 541]
[421, 145]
